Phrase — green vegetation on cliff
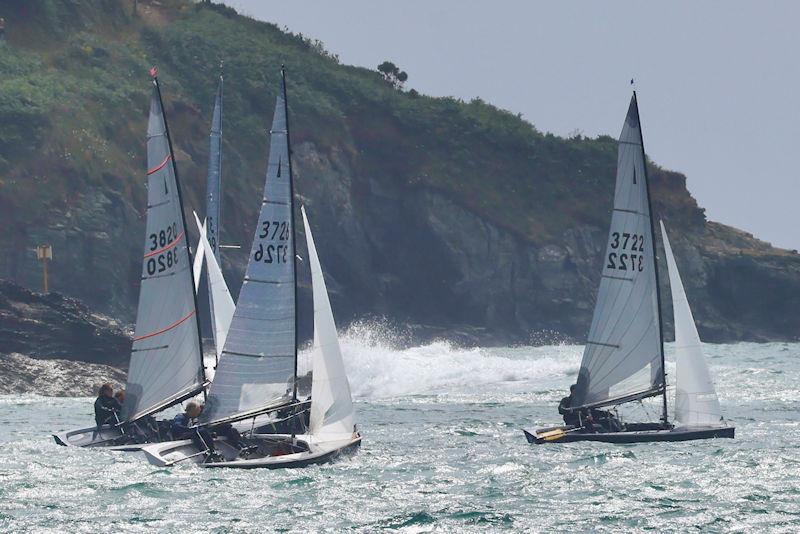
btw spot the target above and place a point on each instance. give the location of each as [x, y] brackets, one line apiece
[73, 102]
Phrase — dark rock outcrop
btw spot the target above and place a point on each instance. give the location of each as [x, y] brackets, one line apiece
[52, 326]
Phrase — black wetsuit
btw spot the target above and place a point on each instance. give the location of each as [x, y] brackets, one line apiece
[106, 410]
[570, 417]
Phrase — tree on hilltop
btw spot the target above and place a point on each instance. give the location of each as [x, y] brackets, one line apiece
[392, 74]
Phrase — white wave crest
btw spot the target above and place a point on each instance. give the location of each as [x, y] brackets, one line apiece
[377, 368]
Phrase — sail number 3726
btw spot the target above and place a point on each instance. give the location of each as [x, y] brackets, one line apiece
[624, 257]
[273, 253]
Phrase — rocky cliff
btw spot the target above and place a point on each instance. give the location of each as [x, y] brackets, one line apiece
[455, 217]
[54, 345]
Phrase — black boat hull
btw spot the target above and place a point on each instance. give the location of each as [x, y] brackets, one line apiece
[636, 436]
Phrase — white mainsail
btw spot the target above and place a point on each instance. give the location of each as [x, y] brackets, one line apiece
[696, 402]
[166, 362]
[223, 306]
[623, 358]
[258, 363]
[331, 402]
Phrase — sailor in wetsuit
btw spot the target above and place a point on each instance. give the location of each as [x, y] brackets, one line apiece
[106, 407]
[565, 409]
[184, 426]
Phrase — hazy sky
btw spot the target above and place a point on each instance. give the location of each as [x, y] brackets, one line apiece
[718, 81]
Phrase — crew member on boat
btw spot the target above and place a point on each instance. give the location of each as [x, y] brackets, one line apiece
[571, 417]
[106, 407]
[184, 426]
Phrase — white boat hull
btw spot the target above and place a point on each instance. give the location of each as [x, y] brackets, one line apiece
[106, 437]
[271, 452]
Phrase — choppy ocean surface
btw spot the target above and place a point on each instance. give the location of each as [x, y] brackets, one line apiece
[443, 451]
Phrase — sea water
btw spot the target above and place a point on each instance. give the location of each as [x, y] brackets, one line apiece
[443, 451]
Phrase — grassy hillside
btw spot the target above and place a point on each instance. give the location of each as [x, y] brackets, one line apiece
[73, 103]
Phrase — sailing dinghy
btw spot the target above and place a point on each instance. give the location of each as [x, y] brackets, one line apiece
[257, 373]
[623, 361]
[166, 364]
[331, 431]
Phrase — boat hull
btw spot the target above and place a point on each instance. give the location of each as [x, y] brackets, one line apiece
[106, 437]
[308, 452]
[636, 436]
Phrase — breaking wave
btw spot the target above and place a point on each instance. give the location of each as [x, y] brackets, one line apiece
[379, 366]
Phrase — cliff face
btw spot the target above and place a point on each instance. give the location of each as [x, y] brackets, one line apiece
[48, 327]
[456, 217]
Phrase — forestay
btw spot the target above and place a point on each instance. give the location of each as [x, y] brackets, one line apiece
[623, 355]
[331, 403]
[257, 366]
[166, 361]
[696, 402]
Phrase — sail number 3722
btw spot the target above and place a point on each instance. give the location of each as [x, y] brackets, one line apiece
[624, 257]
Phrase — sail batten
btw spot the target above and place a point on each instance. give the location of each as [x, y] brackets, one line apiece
[623, 359]
[166, 358]
[258, 362]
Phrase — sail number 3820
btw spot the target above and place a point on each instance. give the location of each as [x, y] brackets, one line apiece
[161, 256]
[626, 261]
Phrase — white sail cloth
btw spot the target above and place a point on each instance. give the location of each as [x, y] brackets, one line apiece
[622, 358]
[257, 365]
[222, 306]
[166, 359]
[696, 402]
[199, 256]
[331, 402]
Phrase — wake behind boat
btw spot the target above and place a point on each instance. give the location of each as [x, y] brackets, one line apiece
[257, 371]
[623, 361]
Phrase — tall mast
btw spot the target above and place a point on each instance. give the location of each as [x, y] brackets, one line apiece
[218, 251]
[294, 234]
[183, 218]
[664, 416]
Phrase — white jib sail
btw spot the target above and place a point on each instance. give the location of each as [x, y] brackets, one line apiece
[222, 302]
[696, 402]
[197, 268]
[331, 403]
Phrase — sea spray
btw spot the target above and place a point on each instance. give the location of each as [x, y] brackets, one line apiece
[380, 367]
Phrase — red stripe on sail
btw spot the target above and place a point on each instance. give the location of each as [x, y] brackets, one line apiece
[169, 246]
[151, 171]
[167, 329]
